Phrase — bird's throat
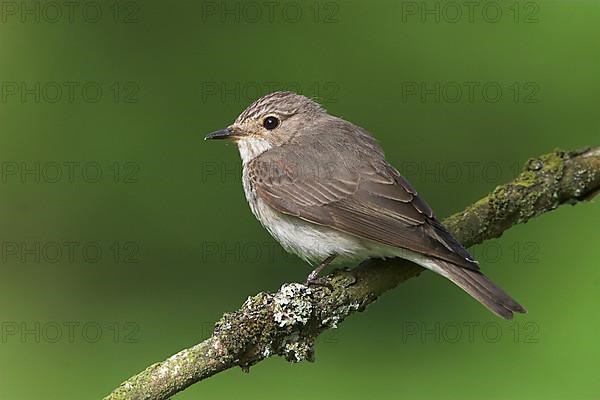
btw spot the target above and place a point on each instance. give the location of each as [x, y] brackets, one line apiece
[252, 147]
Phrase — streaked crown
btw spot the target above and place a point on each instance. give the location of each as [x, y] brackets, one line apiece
[280, 103]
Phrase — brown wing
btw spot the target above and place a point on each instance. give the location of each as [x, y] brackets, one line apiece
[346, 184]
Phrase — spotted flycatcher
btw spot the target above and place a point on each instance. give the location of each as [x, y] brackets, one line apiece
[322, 188]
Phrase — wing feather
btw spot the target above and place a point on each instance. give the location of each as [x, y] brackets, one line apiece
[348, 185]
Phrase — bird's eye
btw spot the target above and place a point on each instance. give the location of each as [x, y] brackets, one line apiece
[271, 123]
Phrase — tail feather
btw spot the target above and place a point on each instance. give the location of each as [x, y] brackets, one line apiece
[478, 286]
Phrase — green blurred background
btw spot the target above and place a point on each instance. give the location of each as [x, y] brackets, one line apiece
[178, 243]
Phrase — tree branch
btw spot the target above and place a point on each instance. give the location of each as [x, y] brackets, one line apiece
[287, 322]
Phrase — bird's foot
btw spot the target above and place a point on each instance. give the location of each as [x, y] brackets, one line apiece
[314, 280]
[318, 282]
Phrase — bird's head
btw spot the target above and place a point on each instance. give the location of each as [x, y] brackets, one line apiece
[271, 121]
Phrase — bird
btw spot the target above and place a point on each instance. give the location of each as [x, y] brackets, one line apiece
[321, 186]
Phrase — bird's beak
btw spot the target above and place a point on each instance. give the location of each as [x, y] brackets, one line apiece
[222, 134]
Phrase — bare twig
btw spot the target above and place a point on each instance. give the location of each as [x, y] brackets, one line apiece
[287, 322]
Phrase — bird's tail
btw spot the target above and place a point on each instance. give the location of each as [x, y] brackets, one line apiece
[478, 286]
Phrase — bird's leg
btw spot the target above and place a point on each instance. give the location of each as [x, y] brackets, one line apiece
[312, 277]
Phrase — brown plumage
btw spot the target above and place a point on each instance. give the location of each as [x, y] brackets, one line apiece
[332, 174]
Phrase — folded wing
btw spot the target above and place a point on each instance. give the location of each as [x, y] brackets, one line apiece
[346, 184]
